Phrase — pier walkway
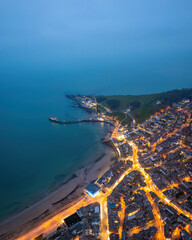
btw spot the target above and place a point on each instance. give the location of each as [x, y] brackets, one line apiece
[55, 120]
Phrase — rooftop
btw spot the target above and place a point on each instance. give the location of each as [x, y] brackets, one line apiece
[92, 189]
[72, 220]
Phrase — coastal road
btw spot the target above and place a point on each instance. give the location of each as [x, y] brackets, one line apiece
[51, 225]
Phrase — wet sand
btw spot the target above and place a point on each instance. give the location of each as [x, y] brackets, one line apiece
[57, 201]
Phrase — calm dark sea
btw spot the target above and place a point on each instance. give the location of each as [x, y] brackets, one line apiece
[37, 155]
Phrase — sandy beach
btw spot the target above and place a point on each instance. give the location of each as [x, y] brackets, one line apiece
[65, 196]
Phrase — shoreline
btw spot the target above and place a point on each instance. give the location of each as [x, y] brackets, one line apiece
[58, 200]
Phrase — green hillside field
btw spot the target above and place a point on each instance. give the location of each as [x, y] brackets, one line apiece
[142, 106]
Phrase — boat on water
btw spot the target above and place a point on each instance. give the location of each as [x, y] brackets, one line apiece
[53, 119]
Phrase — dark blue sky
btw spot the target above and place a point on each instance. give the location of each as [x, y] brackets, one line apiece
[92, 43]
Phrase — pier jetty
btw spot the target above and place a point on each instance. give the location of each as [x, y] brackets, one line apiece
[55, 120]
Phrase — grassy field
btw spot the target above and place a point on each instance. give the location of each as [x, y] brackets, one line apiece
[143, 106]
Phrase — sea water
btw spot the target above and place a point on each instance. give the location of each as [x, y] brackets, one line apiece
[36, 155]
